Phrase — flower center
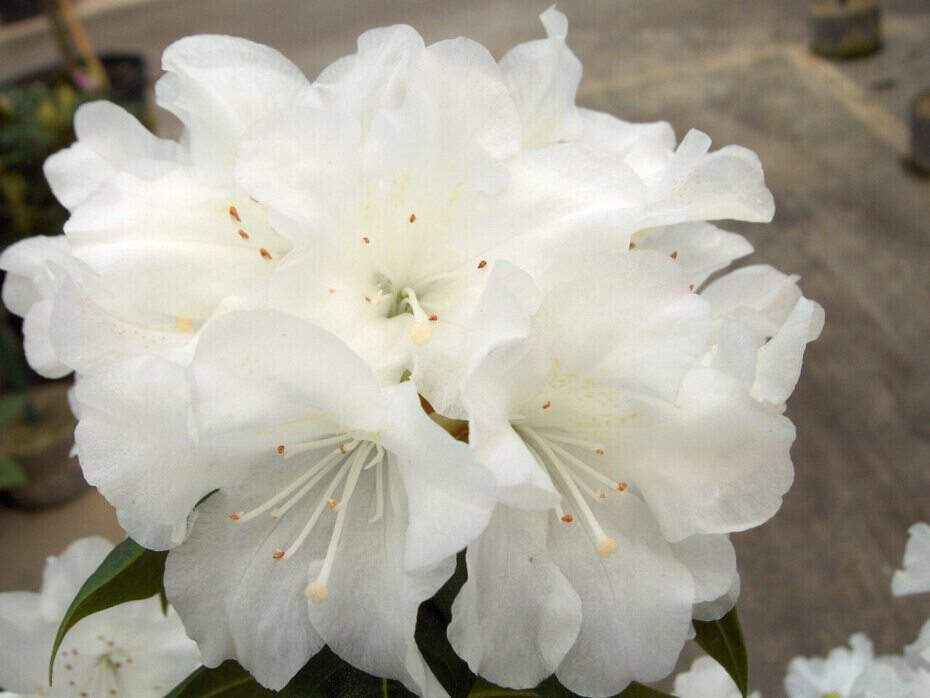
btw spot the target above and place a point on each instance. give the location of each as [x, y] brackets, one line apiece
[573, 477]
[353, 454]
[96, 672]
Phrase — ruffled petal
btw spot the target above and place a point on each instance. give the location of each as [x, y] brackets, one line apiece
[236, 600]
[369, 615]
[218, 86]
[134, 446]
[636, 604]
[714, 462]
[712, 563]
[517, 616]
[543, 77]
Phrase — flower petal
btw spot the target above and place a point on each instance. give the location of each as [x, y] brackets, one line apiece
[636, 604]
[543, 77]
[716, 461]
[517, 616]
[712, 562]
[915, 577]
[370, 614]
[205, 87]
[134, 446]
[236, 600]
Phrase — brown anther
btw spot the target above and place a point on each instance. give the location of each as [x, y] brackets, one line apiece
[343, 448]
[264, 253]
[368, 299]
[632, 245]
[68, 667]
[547, 404]
[234, 214]
[599, 451]
[600, 495]
[129, 660]
[674, 254]
[234, 516]
[567, 518]
[690, 287]
[113, 691]
[621, 486]
[110, 643]
[482, 264]
[366, 240]
[84, 694]
[117, 665]
[413, 218]
[280, 449]
[71, 683]
[333, 503]
[331, 290]
[244, 235]
[433, 318]
[277, 554]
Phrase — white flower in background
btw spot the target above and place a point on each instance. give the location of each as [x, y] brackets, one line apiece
[891, 677]
[159, 234]
[604, 384]
[832, 676]
[331, 488]
[707, 679]
[133, 650]
[915, 577]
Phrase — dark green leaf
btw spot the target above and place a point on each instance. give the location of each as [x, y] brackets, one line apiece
[432, 620]
[230, 680]
[723, 640]
[128, 573]
[11, 473]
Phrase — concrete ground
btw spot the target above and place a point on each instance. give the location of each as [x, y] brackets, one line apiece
[852, 221]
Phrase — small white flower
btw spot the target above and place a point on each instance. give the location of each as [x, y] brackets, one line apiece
[915, 577]
[832, 676]
[133, 650]
[891, 677]
[707, 679]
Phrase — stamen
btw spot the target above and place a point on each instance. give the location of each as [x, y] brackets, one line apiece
[316, 591]
[421, 332]
[264, 253]
[605, 545]
[299, 448]
[573, 441]
[584, 467]
[184, 323]
[413, 218]
[315, 516]
[331, 462]
[547, 404]
[234, 214]
[317, 469]
[482, 264]
[379, 492]
[674, 254]
[244, 235]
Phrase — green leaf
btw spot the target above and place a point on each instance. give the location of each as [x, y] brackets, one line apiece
[433, 618]
[11, 474]
[128, 573]
[723, 640]
[230, 680]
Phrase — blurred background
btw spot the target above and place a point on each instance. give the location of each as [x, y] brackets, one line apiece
[853, 219]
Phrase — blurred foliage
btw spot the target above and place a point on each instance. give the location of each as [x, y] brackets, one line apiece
[36, 120]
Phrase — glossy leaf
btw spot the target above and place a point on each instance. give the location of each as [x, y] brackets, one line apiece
[230, 680]
[11, 474]
[128, 573]
[723, 640]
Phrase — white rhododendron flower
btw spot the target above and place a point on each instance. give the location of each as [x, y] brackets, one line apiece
[159, 234]
[261, 315]
[833, 675]
[605, 383]
[707, 679]
[133, 649]
[915, 577]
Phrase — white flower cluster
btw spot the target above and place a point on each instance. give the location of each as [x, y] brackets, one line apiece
[134, 650]
[262, 315]
[845, 673]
